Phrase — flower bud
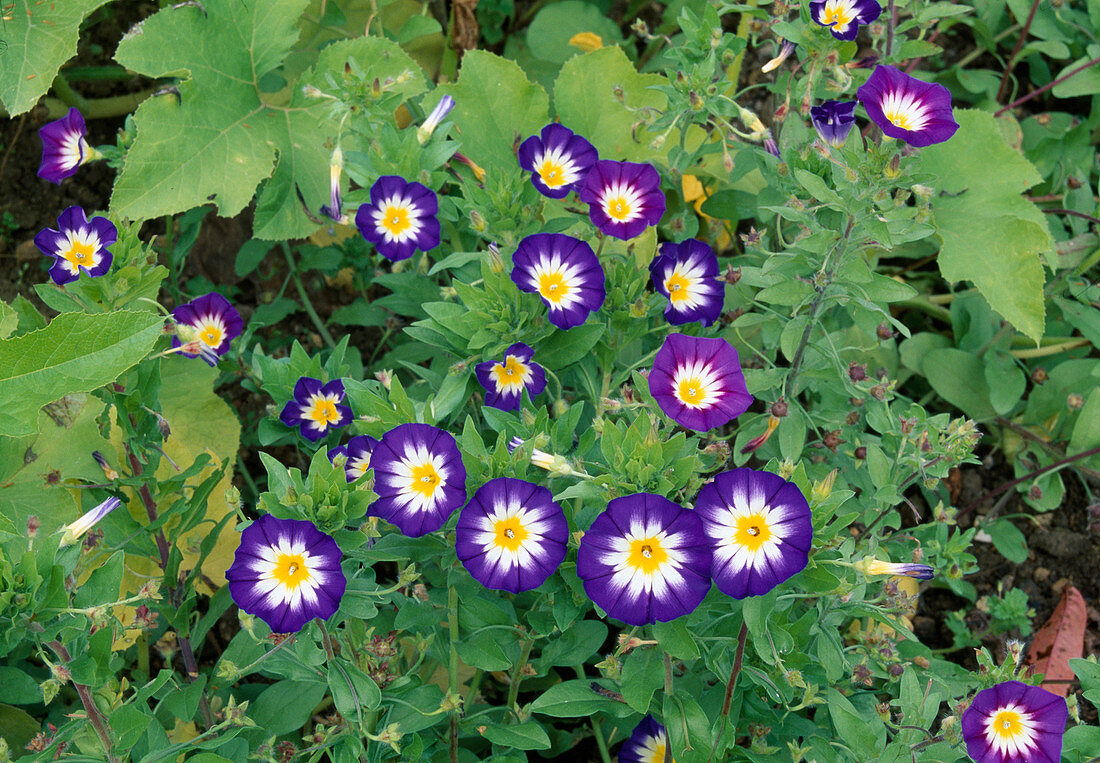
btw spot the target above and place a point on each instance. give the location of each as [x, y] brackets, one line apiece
[857, 372]
[1039, 375]
[1074, 401]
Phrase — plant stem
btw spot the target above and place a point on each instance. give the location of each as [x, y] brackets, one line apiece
[738, 657]
[601, 743]
[304, 296]
[66, 93]
[1073, 213]
[891, 22]
[1054, 349]
[1015, 51]
[668, 693]
[452, 667]
[1026, 477]
[517, 674]
[94, 716]
[1046, 87]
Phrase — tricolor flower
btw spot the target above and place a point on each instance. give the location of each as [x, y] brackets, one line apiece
[400, 218]
[698, 382]
[557, 159]
[645, 560]
[1015, 723]
[89, 519]
[833, 120]
[439, 113]
[687, 274]
[356, 454]
[205, 327]
[907, 108]
[623, 198]
[511, 536]
[872, 566]
[286, 572]
[563, 271]
[759, 526]
[647, 743]
[64, 148]
[77, 245]
[316, 409]
[505, 380]
[419, 478]
[844, 17]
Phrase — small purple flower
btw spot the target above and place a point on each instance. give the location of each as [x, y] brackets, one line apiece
[419, 478]
[511, 536]
[77, 245]
[698, 383]
[316, 409]
[356, 454]
[206, 326]
[64, 148]
[872, 566]
[334, 210]
[558, 160]
[687, 274]
[1015, 723]
[645, 560]
[89, 519]
[439, 113]
[907, 108]
[647, 743]
[400, 218]
[505, 380]
[563, 271]
[624, 198]
[286, 572]
[844, 17]
[833, 120]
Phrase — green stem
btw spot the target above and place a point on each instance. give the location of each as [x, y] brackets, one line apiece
[313, 316]
[452, 668]
[1054, 349]
[475, 683]
[95, 108]
[517, 673]
[601, 743]
[66, 93]
[929, 308]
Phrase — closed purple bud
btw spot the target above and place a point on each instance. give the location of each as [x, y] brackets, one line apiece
[833, 121]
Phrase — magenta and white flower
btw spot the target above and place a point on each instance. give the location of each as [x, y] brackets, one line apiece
[64, 148]
[907, 108]
[205, 327]
[505, 380]
[647, 743]
[356, 455]
[844, 17]
[698, 382]
[316, 408]
[833, 120]
[564, 272]
[400, 218]
[687, 274]
[1015, 723]
[624, 198]
[77, 245]
[558, 159]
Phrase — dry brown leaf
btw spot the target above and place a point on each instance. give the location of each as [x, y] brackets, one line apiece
[1061, 638]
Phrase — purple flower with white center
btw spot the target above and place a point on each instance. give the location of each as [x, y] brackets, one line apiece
[511, 536]
[505, 380]
[316, 409]
[205, 327]
[77, 244]
[286, 572]
[844, 17]
[907, 108]
[759, 526]
[89, 519]
[558, 159]
[356, 454]
[698, 382]
[624, 198]
[645, 560]
[687, 274]
[439, 113]
[419, 478]
[833, 120]
[563, 271]
[647, 743]
[1015, 723]
[64, 148]
[400, 218]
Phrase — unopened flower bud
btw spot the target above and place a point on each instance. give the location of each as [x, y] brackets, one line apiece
[1035, 493]
[823, 488]
[1075, 401]
[857, 372]
[884, 331]
[477, 221]
[385, 376]
[861, 453]
[233, 498]
[33, 523]
[1039, 375]
[732, 275]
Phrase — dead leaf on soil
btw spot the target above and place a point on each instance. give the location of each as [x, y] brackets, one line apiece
[1061, 638]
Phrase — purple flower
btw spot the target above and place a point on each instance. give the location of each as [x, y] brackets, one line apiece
[419, 478]
[400, 218]
[844, 17]
[439, 113]
[759, 527]
[871, 566]
[558, 160]
[645, 560]
[89, 519]
[316, 409]
[1015, 723]
[63, 147]
[833, 120]
[511, 536]
[356, 454]
[563, 271]
[698, 382]
[334, 210]
[647, 743]
[286, 572]
[623, 198]
[206, 326]
[687, 274]
[906, 108]
[77, 245]
[505, 380]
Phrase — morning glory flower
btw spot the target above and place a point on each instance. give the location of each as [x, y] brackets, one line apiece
[907, 108]
[698, 383]
[844, 17]
[687, 274]
[872, 566]
[439, 113]
[564, 272]
[400, 218]
[833, 120]
[89, 519]
[356, 454]
[419, 478]
[64, 148]
[316, 409]
[645, 560]
[1015, 723]
[205, 327]
[624, 198]
[286, 572]
[557, 159]
[511, 536]
[77, 244]
[505, 380]
[647, 743]
[334, 209]
[759, 526]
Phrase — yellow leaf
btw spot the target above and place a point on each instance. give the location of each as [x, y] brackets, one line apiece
[586, 41]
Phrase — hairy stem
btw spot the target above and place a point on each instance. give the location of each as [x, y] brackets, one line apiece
[1046, 87]
[304, 296]
[94, 716]
[738, 657]
[517, 673]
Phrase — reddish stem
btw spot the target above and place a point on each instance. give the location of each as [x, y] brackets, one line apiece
[1046, 87]
[1015, 51]
[1036, 473]
[94, 716]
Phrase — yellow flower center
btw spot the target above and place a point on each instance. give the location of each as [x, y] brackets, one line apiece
[1007, 724]
[509, 533]
[552, 286]
[552, 173]
[900, 118]
[396, 219]
[425, 479]
[647, 554]
[510, 374]
[212, 335]
[290, 570]
[678, 287]
[836, 15]
[618, 208]
[692, 391]
[81, 253]
[324, 411]
[752, 532]
[659, 753]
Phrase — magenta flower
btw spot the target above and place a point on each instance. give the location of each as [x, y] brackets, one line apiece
[316, 409]
[844, 17]
[907, 108]
[833, 120]
[647, 743]
[563, 271]
[557, 159]
[505, 380]
[687, 274]
[357, 455]
[206, 326]
[1015, 723]
[623, 198]
[698, 383]
[400, 218]
[64, 148]
[77, 245]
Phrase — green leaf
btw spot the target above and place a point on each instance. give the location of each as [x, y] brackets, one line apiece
[817, 187]
[17, 727]
[643, 673]
[529, 735]
[17, 688]
[1086, 431]
[285, 706]
[76, 352]
[1008, 540]
[675, 638]
[1085, 82]
[564, 348]
[1006, 381]
[9, 320]
[959, 378]
[553, 26]
[102, 586]
[575, 699]
[483, 653]
[858, 732]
